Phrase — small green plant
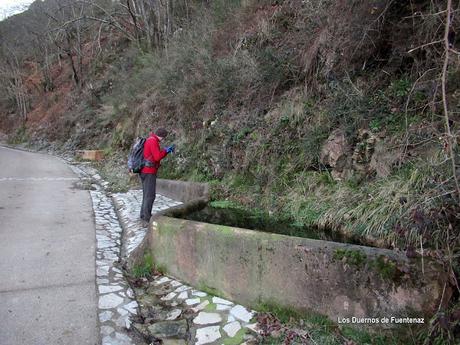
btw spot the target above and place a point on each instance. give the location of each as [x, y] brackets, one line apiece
[375, 125]
[243, 133]
[145, 268]
[19, 137]
[400, 87]
[353, 257]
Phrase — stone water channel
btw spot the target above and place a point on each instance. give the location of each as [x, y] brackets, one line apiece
[156, 308]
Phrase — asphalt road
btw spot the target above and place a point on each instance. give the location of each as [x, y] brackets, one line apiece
[47, 253]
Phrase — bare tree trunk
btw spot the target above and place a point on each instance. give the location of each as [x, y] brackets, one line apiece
[451, 140]
[68, 51]
[131, 10]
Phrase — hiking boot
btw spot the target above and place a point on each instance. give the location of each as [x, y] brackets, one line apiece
[144, 223]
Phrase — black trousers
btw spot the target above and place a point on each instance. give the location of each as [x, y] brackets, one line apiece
[149, 182]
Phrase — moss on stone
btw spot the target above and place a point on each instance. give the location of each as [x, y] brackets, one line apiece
[386, 268]
[352, 257]
[169, 226]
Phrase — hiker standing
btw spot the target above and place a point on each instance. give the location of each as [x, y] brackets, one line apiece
[153, 154]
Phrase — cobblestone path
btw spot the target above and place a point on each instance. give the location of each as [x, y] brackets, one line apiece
[116, 299]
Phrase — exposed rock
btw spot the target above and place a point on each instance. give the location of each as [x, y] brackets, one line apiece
[173, 314]
[204, 318]
[169, 329]
[335, 153]
[218, 300]
[192, 301]
[109, 301]
[232, 328]
[222, 307]
[168, 297]
[199, 293]
[200, 306]
[110, 288]
[383, 158]
[131, 307]
[183, 295]
[104, 316]
[182, 288]
[207, 335]
[363, 151]
[241, 313]
[162, 280]
[107, 330]
[173, 342]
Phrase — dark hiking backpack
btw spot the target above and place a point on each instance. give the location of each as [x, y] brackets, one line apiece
[136, 156]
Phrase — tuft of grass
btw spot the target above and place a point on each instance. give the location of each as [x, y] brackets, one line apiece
[20, 136]
[210, 307]
[224, 204]
[144, 269]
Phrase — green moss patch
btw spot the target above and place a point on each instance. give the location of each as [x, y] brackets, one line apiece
[386, 268]
[210, 307]
[352, 257]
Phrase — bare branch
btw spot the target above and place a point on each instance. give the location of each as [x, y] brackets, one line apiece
[450, 138]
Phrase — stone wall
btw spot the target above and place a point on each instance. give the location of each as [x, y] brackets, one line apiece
[334, 279]
[182, 190]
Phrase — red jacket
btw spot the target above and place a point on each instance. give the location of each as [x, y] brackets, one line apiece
[153, 153]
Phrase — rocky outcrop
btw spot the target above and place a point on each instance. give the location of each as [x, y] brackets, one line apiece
[336, 154]
[370, 155]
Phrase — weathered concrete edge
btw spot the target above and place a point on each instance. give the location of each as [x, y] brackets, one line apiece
[251, 267]
[183, 190]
